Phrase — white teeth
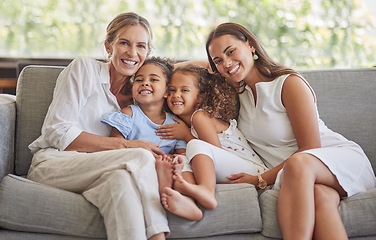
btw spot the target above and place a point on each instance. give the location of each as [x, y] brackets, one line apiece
[129, 62]
[234, 69]
[145, 92]
[178, 104]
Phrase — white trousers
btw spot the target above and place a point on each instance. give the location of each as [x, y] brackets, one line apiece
[225, 162]
[122, 184]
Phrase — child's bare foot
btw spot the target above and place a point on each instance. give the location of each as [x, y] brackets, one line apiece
[178, 165]
[180, 205]
[201, 194]
[163, 165]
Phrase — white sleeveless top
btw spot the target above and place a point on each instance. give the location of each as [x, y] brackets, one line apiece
[232, 140]
[268, 129]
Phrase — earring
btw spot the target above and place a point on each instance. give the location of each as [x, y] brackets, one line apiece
[109, 56]
[255, 56]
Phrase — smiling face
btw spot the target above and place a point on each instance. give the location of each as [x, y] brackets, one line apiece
[183, 95]
[232, 57]
[129, 50]
[150, 85]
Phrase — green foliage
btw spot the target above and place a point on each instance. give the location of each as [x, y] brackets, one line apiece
[298, 33]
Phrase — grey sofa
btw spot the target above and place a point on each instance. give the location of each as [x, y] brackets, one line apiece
[28, 210]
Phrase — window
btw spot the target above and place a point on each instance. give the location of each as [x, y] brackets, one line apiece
[298, 33]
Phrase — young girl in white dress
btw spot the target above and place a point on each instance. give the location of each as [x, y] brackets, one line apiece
[208, 105]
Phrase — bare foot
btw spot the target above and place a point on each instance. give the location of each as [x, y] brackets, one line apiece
[180, 205]
[178, 165]
[202, 194]
[163, 165]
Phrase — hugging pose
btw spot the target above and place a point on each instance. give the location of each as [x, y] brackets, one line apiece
[239, 117]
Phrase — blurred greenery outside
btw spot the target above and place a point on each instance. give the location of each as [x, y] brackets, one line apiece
[302, 34]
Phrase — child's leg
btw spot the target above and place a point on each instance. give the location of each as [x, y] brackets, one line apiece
[180, 205]
[163, 166]
[174, 201]
[203, 191]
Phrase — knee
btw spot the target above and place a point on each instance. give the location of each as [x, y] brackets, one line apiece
[117, 176]
[325, 196]
[297, 166]
[195, 142]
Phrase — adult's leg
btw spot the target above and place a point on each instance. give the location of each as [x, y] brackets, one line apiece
[76, 173]
[116, 196]
[296, 203]
[328, 223]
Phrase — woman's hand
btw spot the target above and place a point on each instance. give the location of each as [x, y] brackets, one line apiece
[242, 178]
[153, 148]
[175, 131]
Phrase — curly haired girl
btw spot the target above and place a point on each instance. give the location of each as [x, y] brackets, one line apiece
[208, 105]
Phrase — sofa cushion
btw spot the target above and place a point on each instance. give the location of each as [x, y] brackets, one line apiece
[358, 214]
[32, 207]
[238, 211]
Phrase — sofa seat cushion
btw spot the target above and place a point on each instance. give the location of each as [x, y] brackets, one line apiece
[238, 211]
[32, 207]
[358, 214]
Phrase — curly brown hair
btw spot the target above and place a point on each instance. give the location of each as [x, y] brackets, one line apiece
[216, 96]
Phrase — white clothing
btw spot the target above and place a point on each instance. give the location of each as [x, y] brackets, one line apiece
[268, 129]
[234, 156]
[123, 183]
[81, 98]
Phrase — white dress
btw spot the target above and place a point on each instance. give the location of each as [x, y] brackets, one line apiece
[268, 129]
[234, 156]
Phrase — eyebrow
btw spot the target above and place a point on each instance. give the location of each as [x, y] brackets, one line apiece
[152, 74]
[124, 39]
[224, 51]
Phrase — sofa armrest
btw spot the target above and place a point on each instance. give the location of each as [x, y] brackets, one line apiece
[7, 133]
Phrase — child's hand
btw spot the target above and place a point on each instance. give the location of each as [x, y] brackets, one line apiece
[175, 131]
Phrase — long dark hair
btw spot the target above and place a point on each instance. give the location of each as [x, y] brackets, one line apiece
[264, 64]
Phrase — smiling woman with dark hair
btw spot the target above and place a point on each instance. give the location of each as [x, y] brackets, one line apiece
[312, 166]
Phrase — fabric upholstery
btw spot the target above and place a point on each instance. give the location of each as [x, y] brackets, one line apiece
[347, 104]
[32, 207]
[8, 125]
[52, 210]
[34, 94]
[237, 212]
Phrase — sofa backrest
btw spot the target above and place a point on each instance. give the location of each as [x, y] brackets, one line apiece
[35, 87]
[346, 103]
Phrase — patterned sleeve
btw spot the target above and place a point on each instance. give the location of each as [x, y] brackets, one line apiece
[120, 121]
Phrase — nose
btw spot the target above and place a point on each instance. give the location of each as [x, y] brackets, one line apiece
[131, 51]
[227, 62]
[176, 94]
[145, 84]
